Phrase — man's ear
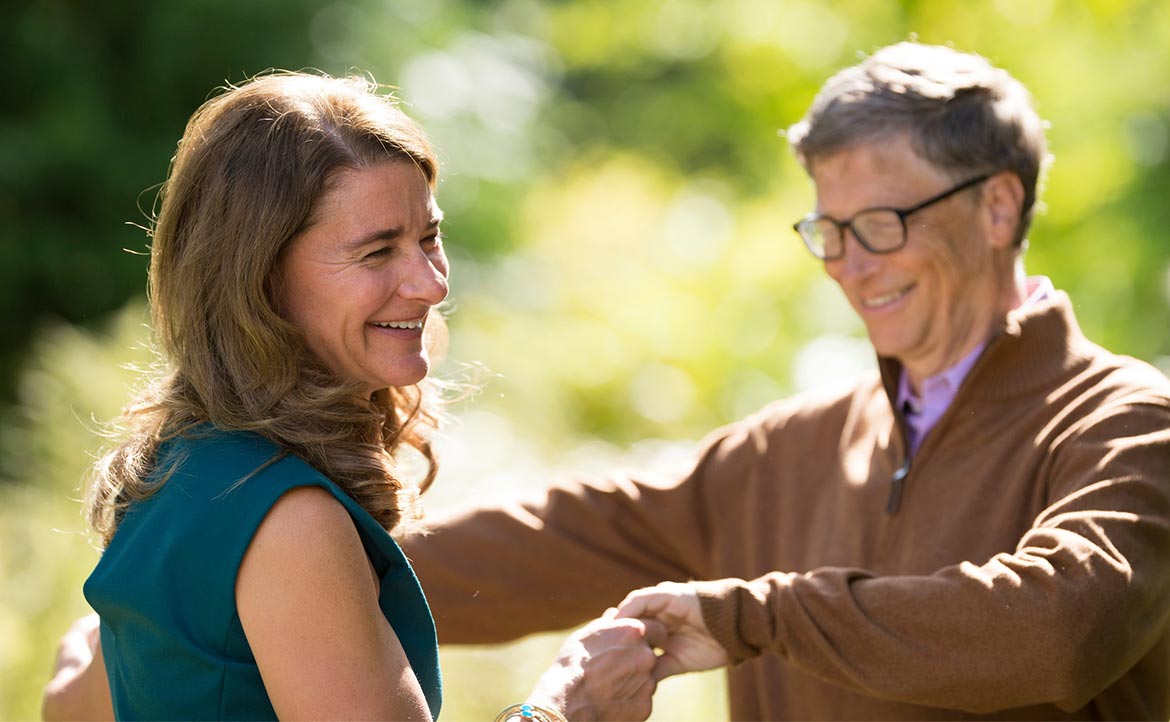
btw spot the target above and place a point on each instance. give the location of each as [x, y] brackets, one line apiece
[1003, 202]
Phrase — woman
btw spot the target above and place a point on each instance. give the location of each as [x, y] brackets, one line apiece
[248, 573]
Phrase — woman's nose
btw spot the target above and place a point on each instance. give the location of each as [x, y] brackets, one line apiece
[426, 280]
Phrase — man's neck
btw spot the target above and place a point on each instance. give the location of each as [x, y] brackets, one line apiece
[1011, 295]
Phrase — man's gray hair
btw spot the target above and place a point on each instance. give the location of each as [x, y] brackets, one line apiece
[962, 114]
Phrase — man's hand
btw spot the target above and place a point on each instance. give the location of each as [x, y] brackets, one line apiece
[603, 671]
[79, 689]
[688, 646]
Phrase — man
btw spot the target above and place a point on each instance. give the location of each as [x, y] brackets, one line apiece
[983, 528]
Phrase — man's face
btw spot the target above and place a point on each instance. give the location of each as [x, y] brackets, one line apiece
[931, 302]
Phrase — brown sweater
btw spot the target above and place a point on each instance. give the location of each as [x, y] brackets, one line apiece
[1025, 573]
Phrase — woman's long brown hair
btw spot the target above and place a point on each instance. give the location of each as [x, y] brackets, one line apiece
[249, 172]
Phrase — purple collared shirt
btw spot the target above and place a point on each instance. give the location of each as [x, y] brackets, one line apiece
[923, 410]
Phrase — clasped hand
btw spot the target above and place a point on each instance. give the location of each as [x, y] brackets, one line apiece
[687, 644]
[609, 669]
[604, 671]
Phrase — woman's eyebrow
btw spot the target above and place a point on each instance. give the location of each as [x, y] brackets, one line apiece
[390, 234]
[386, 234]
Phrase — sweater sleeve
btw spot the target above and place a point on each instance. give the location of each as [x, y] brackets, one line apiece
[499, 572]
[1083, 597]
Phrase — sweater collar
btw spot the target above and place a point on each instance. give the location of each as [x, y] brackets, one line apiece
[1037, 344]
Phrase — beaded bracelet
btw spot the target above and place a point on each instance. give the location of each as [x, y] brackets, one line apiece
[528, 711]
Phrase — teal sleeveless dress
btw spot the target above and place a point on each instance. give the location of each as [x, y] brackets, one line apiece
[165, 586]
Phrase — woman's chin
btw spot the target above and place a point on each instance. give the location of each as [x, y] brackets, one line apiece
[404, 373]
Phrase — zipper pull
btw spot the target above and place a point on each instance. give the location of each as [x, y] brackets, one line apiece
[896, 484]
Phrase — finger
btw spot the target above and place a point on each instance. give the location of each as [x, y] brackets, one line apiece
[667, 666]
[642, 701]
[632, 597]
[634, 678]
[656, 632]
[88, 623]
[643, 603]
[601, 636]
[651, 632]
[648, 686]
[598, 625]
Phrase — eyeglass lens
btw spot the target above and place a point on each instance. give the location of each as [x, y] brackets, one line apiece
[879, 229]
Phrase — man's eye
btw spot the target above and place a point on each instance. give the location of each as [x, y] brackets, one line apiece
[432, 241]
[378, 252]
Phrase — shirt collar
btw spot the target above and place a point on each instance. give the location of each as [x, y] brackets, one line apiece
[1038, 288]
[939, 390]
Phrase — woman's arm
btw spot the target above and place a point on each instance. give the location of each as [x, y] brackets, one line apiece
[308, 602]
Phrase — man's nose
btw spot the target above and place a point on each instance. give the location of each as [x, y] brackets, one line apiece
[855, 259]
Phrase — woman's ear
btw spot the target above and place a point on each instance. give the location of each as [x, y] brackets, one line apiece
[1003, 198]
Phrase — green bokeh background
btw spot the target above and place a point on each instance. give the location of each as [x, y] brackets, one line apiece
[618, 204]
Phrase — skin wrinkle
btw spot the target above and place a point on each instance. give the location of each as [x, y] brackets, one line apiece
[343, 274]
[957, 282]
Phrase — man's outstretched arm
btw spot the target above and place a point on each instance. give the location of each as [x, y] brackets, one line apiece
[499, 572]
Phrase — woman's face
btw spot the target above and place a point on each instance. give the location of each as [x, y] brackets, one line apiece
[360, 281]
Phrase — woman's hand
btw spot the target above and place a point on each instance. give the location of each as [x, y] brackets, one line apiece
[604, 671]
[688, 645]
[79, 689]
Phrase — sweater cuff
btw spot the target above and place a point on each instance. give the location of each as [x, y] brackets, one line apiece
[737, 615]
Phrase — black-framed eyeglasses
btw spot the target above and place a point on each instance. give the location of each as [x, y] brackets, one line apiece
[878, 230]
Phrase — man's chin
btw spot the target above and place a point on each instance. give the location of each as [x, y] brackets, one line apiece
[887, 348]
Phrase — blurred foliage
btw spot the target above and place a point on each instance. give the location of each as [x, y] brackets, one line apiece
[74, 379]
[618, 206]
